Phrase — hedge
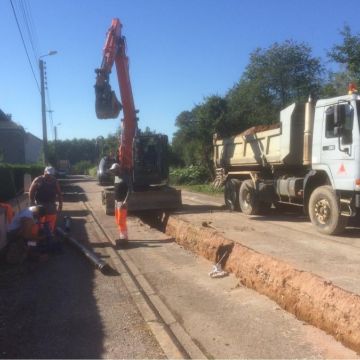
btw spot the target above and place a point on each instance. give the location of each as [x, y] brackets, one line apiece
[12, 178]
[193, 174]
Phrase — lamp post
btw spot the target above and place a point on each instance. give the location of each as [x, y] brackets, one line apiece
[99, 146]
[43, 106]
[55, 131]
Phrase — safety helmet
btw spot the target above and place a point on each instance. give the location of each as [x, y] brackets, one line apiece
[49, 170]
[115, 167]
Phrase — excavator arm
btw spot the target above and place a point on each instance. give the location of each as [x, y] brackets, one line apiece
[106, 104]
[143, 159]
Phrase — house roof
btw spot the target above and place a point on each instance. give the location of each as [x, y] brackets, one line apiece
[7, 123]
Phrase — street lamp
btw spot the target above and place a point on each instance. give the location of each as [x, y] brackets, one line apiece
[43, 106]
[99, 144]
[55, 131]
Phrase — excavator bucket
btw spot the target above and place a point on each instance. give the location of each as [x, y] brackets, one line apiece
[107, 106]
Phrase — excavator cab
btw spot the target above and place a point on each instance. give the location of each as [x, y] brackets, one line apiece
[150, 164]
[107, 106]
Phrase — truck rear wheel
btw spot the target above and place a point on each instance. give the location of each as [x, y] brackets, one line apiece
[249, 202]
[324, 211]
[231, 194]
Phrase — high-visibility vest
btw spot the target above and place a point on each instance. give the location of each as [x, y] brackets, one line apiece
[9, 212]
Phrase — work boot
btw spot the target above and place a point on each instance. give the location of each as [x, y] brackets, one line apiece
[122, 242]
[123, 239]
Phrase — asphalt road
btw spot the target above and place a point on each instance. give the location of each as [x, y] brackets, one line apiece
[64, 308]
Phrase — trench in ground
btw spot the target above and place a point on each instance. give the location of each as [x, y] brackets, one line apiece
[309, 297]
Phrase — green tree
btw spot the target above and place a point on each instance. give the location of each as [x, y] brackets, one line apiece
[192, 142]
[211, 118]
[274, 78]
[185, 143]
[336, 84]
[348, 53]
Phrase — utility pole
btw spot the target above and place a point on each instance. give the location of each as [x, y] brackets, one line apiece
[43, 105]
[43, 111]
[55, 140]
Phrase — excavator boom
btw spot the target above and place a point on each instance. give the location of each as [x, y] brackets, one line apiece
[106, 105]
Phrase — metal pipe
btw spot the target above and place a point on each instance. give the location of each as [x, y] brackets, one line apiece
[308, 131]
[100, 264]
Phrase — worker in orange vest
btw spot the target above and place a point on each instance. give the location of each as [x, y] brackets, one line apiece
[121, 192]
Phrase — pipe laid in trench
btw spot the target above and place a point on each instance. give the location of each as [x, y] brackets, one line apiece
[100, 264]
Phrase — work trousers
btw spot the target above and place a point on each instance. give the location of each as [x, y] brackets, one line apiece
[120, 218]
[51, 215]
[51, 220]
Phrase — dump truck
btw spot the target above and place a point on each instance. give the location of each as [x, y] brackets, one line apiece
[63, 168]
[310, 159]
[143, 158]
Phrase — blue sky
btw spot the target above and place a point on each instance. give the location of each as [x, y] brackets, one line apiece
[180, 52]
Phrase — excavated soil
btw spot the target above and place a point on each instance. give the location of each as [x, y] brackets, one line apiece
[309, 297]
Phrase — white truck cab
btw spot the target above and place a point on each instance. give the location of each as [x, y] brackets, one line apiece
[336, 141]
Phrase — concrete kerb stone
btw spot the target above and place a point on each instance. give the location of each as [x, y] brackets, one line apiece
[309, 297]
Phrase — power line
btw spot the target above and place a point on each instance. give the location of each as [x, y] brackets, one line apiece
[26, 18]
[23, 41]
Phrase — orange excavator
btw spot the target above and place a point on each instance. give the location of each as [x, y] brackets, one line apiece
[143, 158]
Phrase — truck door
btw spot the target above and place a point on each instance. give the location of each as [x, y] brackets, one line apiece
[337, 150]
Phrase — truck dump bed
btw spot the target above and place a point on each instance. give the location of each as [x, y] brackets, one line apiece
[279, 144]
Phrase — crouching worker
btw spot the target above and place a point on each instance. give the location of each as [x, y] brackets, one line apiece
[121, 192]
[23, 232]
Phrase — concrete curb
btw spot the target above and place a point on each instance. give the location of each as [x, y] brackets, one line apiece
[309, 297]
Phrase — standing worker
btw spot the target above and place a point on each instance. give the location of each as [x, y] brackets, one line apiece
[121, 192]
[45, 190]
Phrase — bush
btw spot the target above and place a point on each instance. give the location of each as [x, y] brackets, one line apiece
[193, 174]
[12, 178]
[82, 167]
[93, 171]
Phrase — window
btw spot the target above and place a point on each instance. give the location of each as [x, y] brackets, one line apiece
[330, 122]
[343, 118]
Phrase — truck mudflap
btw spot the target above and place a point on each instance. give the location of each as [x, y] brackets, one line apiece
[155, 198]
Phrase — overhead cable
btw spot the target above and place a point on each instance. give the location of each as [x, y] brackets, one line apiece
[23, 41]
[26, 13]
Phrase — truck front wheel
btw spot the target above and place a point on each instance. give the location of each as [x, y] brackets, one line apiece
[324, 211]
[231, 194]
[249, 202]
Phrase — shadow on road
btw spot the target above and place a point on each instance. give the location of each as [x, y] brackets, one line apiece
[76, 178]
[198, 209]
[275, 215]
[133, 244]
